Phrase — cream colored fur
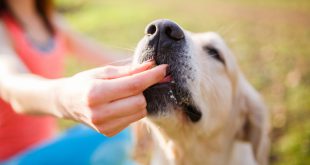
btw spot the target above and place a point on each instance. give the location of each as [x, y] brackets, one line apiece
[233, 129]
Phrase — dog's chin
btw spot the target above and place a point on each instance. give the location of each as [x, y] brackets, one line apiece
[162, 98]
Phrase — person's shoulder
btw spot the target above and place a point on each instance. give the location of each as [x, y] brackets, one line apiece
[1, 25]
[3, 33]
[5, 41]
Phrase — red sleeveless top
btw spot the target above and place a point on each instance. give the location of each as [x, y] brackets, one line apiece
[19, 132]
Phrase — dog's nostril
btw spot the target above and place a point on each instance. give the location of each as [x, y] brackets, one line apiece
[168, 31]
[151, 30]
[174, 32]
[165, 30]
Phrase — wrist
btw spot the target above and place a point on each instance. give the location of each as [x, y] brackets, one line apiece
[56, 93]
[69, 100]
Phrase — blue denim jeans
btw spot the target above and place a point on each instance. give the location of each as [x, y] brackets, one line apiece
[79, 145]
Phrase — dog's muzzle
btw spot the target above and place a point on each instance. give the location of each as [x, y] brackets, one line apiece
[165, 42]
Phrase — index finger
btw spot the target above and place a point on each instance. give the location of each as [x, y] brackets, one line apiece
[131, 85]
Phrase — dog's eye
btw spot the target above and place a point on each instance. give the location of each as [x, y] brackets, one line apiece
[214, 53]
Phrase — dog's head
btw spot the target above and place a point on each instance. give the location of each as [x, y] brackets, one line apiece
[203, 90]
[201, 75]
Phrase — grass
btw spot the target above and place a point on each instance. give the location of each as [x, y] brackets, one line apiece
[270, 39]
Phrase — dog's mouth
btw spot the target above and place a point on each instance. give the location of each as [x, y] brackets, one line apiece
[165, 43]
[169, 94]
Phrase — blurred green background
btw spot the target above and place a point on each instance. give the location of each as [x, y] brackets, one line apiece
[270, 38]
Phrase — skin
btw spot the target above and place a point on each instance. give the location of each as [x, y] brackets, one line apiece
[107, 99]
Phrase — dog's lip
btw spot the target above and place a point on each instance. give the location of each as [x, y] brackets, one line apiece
[192, 112]
[167, 79]
[167, 82]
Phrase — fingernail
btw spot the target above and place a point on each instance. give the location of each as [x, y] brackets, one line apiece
[163, 67]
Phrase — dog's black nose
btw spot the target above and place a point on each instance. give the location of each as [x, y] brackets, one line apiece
[164, 29]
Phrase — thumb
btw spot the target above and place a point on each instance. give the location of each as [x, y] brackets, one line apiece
[129, 70]
[112, 72]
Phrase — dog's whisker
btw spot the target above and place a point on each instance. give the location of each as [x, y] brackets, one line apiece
[120, 47]
[125, 61]
[224, 29]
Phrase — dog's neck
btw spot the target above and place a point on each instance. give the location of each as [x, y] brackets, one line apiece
[189, 149]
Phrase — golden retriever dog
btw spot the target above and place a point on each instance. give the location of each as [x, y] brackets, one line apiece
[204, 112]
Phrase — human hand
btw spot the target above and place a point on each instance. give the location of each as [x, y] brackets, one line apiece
[107, 99]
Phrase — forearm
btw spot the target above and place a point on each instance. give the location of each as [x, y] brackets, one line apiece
[91, 51]
[29, 94]
[86, 48]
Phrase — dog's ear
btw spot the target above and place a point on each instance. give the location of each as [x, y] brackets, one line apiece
[256, 124]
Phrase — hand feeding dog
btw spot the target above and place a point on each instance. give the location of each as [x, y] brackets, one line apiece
[204, 111]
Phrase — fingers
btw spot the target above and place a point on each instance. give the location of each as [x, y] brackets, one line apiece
[112, 72]
[113, 127]
[117, 102]
[119, 108]
[111, 118]
[114, 131]
[137, 83]
[114, 89]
